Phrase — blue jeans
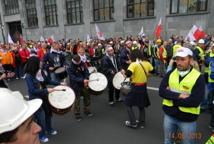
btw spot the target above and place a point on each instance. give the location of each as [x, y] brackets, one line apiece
[175, 129]
[19, 71]
[44, 121]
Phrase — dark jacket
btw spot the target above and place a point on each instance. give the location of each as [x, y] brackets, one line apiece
[50, 60]
[77, 74]
[34, 90]
[123, 58]
[108, 68]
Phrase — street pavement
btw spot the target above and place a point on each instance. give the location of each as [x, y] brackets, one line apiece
[107, 124]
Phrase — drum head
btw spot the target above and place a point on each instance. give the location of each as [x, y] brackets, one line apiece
[118, 79]
[97, 82]
[60, 70]
[62, 99]
[92, 69]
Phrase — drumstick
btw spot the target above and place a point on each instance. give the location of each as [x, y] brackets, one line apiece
[94, 80]
[59, 89]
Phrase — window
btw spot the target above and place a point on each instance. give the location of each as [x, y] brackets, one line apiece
[31, 13]
[74, 11]
[140, 8]
[187, 6]
[103, 10]
[11, 7]
[50, 12]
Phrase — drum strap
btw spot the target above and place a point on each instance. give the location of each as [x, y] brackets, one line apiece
[143, 69]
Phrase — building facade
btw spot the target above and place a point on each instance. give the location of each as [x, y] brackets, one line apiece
[72, 19]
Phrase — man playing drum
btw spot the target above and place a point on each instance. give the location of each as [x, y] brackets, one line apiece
[110, 68]
[53, 60]
[78, 76]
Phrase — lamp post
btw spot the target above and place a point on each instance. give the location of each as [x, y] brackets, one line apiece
[2, 31]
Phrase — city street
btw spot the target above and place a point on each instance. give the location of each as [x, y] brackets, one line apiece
[107, 124]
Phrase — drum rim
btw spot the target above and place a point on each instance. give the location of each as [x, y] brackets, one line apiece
[113, 81]
[59, 68]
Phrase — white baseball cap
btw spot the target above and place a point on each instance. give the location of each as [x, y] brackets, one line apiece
[183, 52]
[15, 110]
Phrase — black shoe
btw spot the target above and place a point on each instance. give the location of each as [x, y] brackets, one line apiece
[119, 100]
[78, 117]
[140, 124]
[128, 124]
[88, 114]
[111, 103]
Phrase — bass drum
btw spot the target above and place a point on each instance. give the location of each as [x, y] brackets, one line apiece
[62, 99]
[118, 79]
[97, 83]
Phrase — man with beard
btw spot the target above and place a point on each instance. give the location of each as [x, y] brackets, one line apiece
[182, 90]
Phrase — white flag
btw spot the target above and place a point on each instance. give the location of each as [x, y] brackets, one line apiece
[100, 34]
[141, 32]
[42, 39]
[88, 38]
[10, 41]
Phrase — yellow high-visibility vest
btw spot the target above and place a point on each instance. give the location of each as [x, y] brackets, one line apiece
[210, 140]
[174, 48]
[201, 52]
[185, 86]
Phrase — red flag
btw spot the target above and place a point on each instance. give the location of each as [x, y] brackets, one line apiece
[158, 29]
[199, 34]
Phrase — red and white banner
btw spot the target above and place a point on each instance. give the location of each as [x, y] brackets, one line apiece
[51, 40]
[100, 35]
[158, 29]
[195, 33]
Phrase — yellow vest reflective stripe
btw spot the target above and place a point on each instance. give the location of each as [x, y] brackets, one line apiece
[211, 55]
[201, 52]
[149, 52]
[185, 86]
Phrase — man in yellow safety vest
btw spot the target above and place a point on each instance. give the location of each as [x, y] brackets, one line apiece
[182, 90]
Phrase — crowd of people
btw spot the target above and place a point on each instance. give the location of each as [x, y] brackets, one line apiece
[187, 68]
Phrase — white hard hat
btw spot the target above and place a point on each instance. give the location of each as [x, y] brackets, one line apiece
[201, 41]
[15, 110]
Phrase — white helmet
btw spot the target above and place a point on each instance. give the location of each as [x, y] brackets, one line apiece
[201, 41]
[15, 110]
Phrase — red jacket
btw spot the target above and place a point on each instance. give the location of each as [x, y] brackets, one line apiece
[25, 54]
